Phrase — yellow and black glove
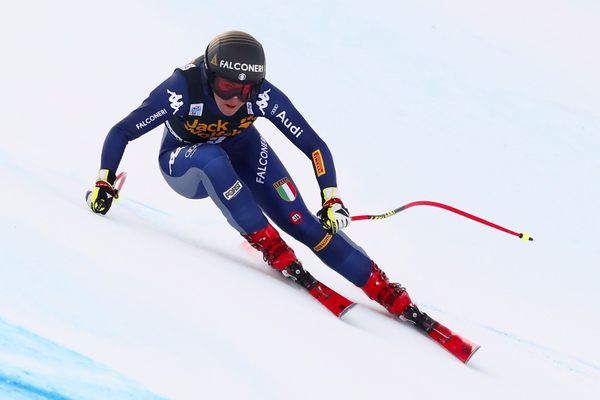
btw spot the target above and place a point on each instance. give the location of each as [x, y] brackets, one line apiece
[333, 215]
[100, 198]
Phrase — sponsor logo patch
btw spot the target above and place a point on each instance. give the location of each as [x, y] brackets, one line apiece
[196, 109]
[233, 191]
[187, 66]
[191, 150]
[263, 101]
[175, 100]
[247, 121]
[150, 119]
[294, 129]
[285, 189]
[263, 161]
[206, 131]
[172, 158]
[323, 243]
[296, 217]
[236, 66]
[318, 162]
[219, 128]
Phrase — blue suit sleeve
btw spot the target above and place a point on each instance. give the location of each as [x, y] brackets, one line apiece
[274, 105]
[167, 100]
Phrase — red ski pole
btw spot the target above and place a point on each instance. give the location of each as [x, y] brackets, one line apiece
[119, 182]
[524, 235]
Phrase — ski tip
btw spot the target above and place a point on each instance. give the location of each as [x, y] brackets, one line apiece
[475, 348]
[346, 309]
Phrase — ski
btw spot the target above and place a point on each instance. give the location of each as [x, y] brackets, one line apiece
[458, 346]
[332, 300]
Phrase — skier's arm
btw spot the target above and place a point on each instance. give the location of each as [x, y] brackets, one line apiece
[275, 106]
[167, 100]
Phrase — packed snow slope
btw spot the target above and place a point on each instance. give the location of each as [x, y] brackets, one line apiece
[491, 107]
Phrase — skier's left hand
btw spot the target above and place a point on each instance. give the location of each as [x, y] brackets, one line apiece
[334, 216]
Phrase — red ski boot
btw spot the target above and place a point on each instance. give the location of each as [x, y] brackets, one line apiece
[279, 256]
[395, 299]
[390, 295]
[275, 251]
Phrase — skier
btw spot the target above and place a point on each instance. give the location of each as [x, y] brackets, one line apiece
[211, 148]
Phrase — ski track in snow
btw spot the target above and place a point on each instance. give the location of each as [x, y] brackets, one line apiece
[559, 359]
[565, 361]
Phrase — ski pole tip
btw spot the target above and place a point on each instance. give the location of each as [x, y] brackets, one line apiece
[525, 236]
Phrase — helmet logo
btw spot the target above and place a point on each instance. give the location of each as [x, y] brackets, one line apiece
[214, 60]
[238, 66]
[242, 76]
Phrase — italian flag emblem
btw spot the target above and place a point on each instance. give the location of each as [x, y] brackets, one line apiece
[285, 188]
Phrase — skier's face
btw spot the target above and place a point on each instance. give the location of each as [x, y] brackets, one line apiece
[228, 107]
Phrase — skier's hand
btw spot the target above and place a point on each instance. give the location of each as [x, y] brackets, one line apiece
[100, 198]
[334, 216]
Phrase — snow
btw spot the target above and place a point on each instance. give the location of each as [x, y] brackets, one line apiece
[32, 367]
[491, 107]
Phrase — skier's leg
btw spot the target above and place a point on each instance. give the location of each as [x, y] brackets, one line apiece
[278, 196]
[274, 190]
[197, 171]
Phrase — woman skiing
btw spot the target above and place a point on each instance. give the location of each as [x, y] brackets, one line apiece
[211, 148]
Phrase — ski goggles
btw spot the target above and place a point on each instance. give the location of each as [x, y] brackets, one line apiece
[227, 89]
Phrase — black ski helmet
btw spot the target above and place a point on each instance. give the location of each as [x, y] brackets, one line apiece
[235, 56]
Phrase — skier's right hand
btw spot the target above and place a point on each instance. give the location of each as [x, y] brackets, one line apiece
[100, 198]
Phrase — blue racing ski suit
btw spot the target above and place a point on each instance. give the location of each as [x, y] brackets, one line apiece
[205, 153]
